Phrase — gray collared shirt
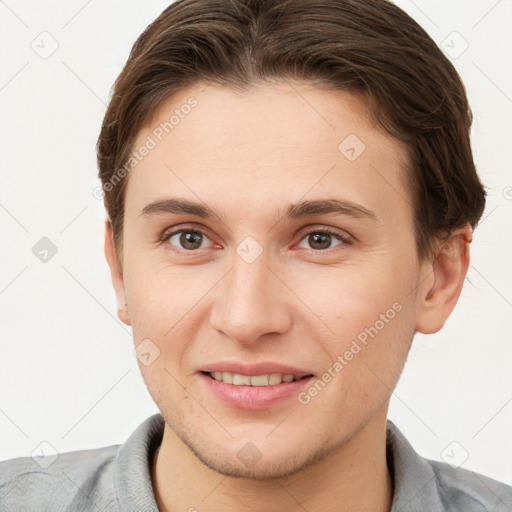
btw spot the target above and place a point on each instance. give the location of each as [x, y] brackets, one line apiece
[118, 478]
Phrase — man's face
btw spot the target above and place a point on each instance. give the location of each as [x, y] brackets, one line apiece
[255, 291]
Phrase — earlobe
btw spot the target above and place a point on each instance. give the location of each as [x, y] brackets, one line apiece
[440, 293]
[116, 274]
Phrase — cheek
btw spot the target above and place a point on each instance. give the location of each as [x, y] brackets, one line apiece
[161, 295]
[167, 306]
[371, 318]
[351, 298]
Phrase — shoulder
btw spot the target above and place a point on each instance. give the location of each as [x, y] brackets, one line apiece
[78, 480]
[425, 484]
[111, 478]
[461, 489]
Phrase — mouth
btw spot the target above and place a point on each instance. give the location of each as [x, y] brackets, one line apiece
[250, 387]
[267, 379]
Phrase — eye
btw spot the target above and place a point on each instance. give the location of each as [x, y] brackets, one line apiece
[321, 239]
[318, 239]
[186, 239]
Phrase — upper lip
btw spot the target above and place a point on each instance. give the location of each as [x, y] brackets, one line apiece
[255, 368]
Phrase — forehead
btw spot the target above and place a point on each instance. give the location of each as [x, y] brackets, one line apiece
[278, 141]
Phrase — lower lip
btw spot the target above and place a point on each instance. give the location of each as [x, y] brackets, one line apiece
[254, 397]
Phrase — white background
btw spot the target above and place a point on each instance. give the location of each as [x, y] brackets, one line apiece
[67, 372]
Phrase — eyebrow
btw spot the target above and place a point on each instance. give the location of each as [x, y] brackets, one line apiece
[293, 211]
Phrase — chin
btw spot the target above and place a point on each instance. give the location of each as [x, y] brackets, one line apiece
[261, 470]
[272, 461]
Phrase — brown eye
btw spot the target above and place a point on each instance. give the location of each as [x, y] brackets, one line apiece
[319, 240]
[188, 240]
[322, 239]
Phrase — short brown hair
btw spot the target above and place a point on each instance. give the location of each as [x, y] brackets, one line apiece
[369, 47]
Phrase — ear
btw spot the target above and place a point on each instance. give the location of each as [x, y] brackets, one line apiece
[440, 291]
[116, 273]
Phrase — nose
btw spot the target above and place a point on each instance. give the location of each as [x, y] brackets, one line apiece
[251, 302]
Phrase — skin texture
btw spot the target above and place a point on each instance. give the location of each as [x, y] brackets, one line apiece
[248, 156]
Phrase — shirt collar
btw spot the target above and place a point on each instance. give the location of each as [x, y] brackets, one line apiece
[413, 478]
[133, 466]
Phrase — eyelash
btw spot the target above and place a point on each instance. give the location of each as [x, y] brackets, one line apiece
[345, 240]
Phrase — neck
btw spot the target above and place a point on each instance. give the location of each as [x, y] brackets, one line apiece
[351, 478]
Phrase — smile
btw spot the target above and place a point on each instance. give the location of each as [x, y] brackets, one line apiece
[267, 379]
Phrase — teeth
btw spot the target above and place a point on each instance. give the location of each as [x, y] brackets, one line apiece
[226, 377]
[275, 378]
[254, 380]
[241, 380]
[259, 380]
